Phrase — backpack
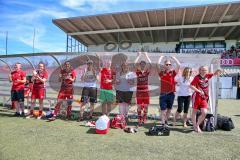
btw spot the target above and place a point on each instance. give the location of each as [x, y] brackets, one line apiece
[49, 114]
[225, 123]
[209, 123]
[159, 130]
[118, 122]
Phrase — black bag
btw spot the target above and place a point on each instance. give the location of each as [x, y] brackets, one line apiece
[159, 130]
[208, 123]
[225, 123]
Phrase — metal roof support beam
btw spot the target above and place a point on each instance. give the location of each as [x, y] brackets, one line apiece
[227, 24]
[201, 20]
[118, 26]
[101, 24]
[224, 13]
[133, 27]
[183, 20]
[157, 39]
[165, 21]
[149, 25]
[139, 19]
[90, 28]
[76, 28]
[229, 32]
[220, 19]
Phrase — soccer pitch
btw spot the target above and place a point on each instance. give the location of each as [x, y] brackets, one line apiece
[22, 139]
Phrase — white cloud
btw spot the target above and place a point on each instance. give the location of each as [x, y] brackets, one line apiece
[89, 6]
[21, 26]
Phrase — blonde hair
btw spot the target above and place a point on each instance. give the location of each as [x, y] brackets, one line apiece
[185, 72]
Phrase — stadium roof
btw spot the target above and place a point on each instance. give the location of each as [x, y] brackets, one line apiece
[159, 25]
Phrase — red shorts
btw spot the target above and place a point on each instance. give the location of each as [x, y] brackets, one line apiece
[27, 92]
[38, 93]
[65, 94]
[199, 102]
[142, 98]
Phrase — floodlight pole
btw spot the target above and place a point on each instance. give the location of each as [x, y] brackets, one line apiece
[67, 44]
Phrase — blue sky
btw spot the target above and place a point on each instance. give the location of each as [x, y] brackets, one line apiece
[20, 17]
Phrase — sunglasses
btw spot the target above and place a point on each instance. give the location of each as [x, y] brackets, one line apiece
[168, 64]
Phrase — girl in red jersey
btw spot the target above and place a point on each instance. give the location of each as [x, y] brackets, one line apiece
[106, 88]
[39, 79]
[18, 79]
[200, 85]
[142, 94]
[67, 77]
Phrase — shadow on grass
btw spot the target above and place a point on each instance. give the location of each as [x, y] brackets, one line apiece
[182, 130]
[6, 114]
[237, 115]
[91, 131]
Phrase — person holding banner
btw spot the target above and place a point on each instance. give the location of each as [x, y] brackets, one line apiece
[39, 79]
[18, 79]
[167, 87]
[142, 95]
[184, 94]
[67, 77]
[200, 85]
[89, 91]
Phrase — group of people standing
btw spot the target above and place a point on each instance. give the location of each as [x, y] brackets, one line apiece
[125, 82]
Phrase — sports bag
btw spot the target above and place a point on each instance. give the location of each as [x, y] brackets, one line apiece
[209, 123]
[159, 130]
[225, 123]
[118, 122]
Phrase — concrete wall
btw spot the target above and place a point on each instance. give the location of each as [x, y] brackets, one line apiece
[229, 43]
[163, 47]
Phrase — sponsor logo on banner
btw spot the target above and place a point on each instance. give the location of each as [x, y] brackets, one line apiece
[226, 62]
[230, 62]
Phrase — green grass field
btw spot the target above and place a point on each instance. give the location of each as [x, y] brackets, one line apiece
[22, 139]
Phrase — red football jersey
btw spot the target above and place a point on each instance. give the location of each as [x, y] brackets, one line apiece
[106, 74]
[18, 75]
[202, 83]
[142, 80]
[167, 81]
[37, 82]
[66, 83]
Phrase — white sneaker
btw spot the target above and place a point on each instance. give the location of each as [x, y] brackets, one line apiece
[29, 116]
[39, 117]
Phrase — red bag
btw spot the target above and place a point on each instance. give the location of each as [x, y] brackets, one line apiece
[118, 122]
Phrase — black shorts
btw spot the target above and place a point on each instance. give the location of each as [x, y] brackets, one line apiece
[89, 94]
[124, 96]
[17, 95]
[183, 103]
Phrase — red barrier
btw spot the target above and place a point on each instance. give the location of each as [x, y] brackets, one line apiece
[230, 62]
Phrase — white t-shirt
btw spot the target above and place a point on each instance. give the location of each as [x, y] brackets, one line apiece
[183, 86]
[124, 85]
[90, 80]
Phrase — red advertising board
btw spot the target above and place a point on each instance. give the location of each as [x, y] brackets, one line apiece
[230, 62]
